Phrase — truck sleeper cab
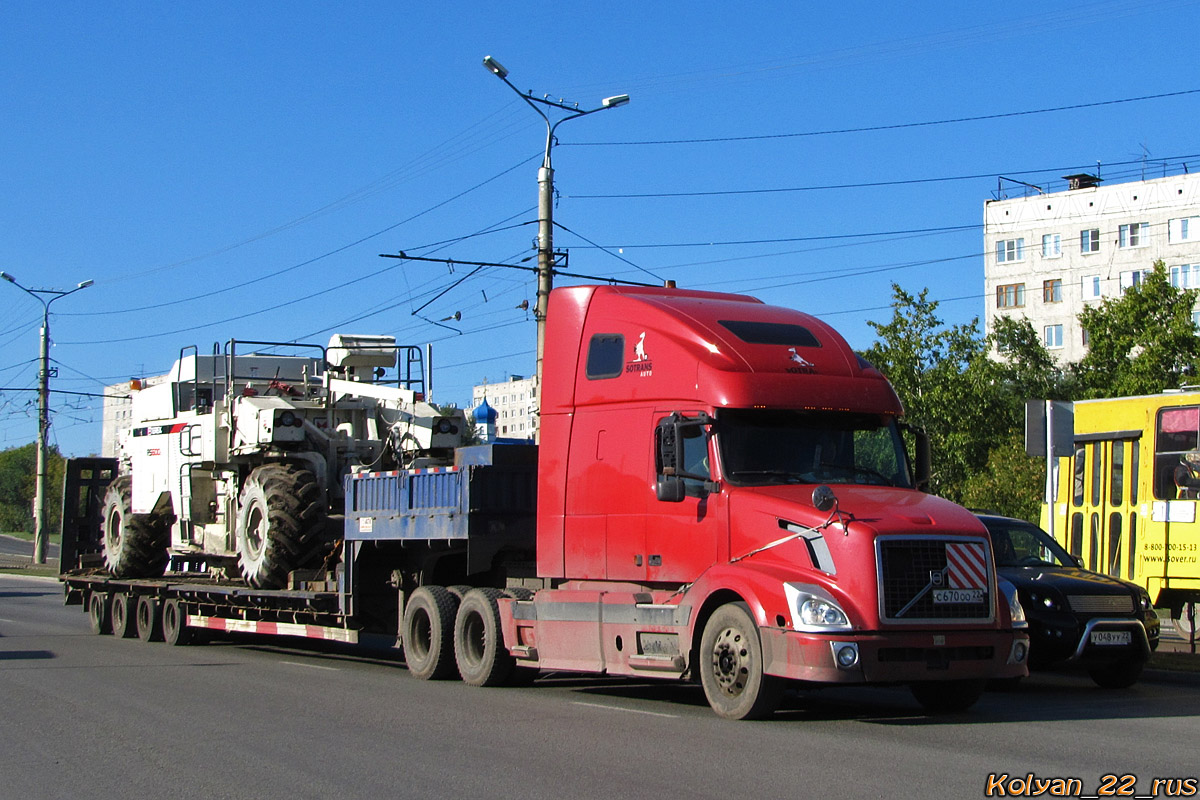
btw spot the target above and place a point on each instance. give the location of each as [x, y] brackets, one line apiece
[724, 492]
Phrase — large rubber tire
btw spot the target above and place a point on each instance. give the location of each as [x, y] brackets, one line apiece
[478, 641]
[730, 664]
[948, 697]
[1120, 675]
[149, 619]
[123, 612]
[428, 633]
[98, 613]
[134, 545]
[280, 524]
[174, 623]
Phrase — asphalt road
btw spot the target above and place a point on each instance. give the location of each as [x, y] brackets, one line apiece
[23, 548]
[87, 716]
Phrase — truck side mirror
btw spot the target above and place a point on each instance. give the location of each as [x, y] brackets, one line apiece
[670, 489]
[673, 476]
[922, 458]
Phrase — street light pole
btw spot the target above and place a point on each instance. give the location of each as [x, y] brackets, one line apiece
[40, 488]
[546, 196]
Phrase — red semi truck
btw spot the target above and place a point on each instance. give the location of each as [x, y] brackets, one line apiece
[723, 494]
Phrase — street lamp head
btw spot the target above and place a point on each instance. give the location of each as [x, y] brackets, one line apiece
[495, 67]
[613, 102]
[85, 284]
[8, 277]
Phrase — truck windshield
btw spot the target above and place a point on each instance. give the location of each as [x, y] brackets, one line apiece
[765, 447]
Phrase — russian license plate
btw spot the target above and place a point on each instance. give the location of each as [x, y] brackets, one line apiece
[1111, 637]
[958, 595]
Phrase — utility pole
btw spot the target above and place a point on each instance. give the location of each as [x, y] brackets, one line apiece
[40, 488]
[545, 273]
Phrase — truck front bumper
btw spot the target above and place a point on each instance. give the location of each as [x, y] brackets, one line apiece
[894, 657]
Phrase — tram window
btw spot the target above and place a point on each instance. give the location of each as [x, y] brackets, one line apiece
[1133, 473]
[1177, 433]
[1076, 547]
[1080, 469]
[1131, 550]
[1097, 471]
[1114, 544]
[1095, 542]
[1116, 475]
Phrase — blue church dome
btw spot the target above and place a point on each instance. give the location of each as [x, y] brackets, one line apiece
[483, 414]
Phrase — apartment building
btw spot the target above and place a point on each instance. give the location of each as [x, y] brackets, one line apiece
[515, 403]
[1048, 255]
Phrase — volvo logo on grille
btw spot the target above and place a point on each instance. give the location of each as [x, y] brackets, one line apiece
[936, 577]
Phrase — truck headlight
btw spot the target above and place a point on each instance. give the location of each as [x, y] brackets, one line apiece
[1016, 611]
[814, 610]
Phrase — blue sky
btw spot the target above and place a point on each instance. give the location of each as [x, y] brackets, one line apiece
[234, 169]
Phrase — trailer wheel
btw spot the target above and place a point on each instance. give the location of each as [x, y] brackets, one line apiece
[149, 619]
[428, 632]
[123, 615]
[135, 545]
[731, 666]
[478, 641]
[1120, 675]
[174, 623]
[280, 524]
[98, 613]
[947, 697]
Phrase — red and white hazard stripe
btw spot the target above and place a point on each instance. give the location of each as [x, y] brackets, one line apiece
[273, 628]
[966, 564]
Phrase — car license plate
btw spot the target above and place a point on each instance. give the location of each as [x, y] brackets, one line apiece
[958, 595]
[1111, 637]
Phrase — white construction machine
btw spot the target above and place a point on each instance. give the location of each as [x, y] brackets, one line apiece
[236, 460]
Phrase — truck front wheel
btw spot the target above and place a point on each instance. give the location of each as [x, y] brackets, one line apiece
[731, 666]
[135, 545]
[279, 525]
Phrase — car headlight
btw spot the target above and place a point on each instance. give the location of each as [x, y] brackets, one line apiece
[1144, 600]
[1016, 611]
[814, 610]
[1045, 600]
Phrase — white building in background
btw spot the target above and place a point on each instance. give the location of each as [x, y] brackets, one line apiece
[515, 403]
[118, 413]
[1047, 256]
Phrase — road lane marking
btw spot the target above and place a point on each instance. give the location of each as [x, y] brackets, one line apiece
[310, 666]
[626, 710]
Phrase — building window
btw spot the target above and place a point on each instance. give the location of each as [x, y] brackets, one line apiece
[1185, 229]
[1053, 337]
[1010, 295]
[1185, 276]
[1051, 245]
[1131, 278]
[1089, 240]
[1091, 287]
[1010, 250]
[1133, 234]
[1052, 291]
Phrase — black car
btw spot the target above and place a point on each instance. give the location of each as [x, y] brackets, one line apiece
[1077, 618]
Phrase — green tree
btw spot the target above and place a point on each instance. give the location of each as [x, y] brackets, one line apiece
[18, 478]
[1011, 483]
[1142, 342]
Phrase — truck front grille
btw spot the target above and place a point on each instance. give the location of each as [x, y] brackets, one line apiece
[913, 570]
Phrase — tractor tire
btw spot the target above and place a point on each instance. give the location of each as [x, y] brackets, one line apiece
[428, 633]
[280, 525]
[149, 619]
[478, 641]
[731, 666]
[123, 615]
[134, 545]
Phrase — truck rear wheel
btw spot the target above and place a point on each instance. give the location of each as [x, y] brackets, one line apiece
[478, 641]
[149, 619]
[428, 632]
[174, 623]
[98, 613]
[123, 616]
[731, 666]
[279, 525]
[135, 545]
[945, 697]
